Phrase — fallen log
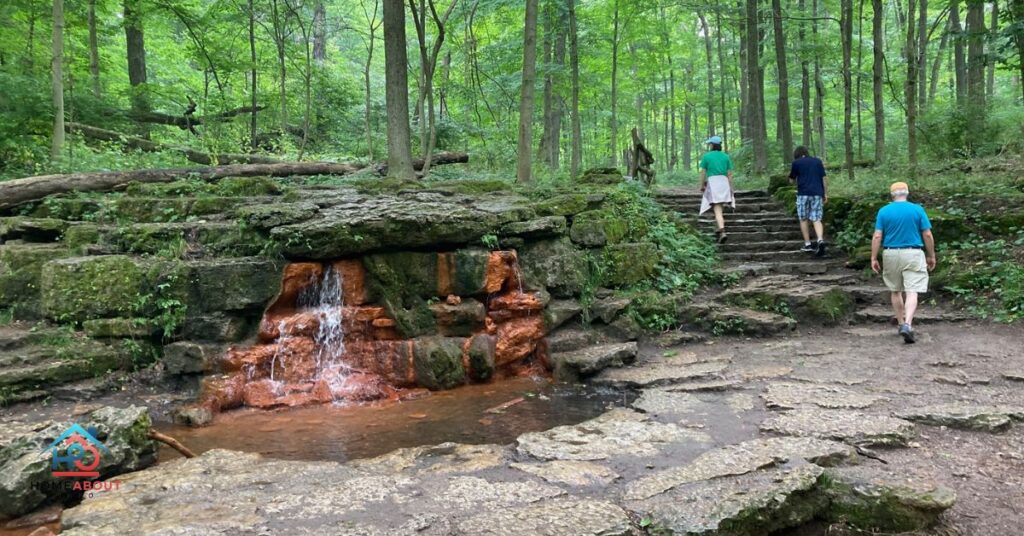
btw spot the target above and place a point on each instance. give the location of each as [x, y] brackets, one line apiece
[19, 191]
[185, 121]
[141, 144]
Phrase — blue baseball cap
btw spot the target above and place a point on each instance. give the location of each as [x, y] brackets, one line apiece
[714, 139]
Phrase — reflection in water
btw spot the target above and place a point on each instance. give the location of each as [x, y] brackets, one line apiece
[340, 433]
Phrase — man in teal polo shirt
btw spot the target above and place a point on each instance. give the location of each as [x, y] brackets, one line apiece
[902, 229]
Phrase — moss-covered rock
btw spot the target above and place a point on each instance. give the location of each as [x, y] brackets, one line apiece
[21, 269]
[595, 228]
[947, 227]
[469, 275]
[628, 264]
[247, 186]
[81, 288]
[31, 229]
[219, 326]
[555, 265]
[459, 320]
[481, 350]
[117, 328]
[76, 237]
[566, 204]
[873, 506]
[236, 284]
[406, 272]
[829, 308]
[62, 358]
[68, 208]
[176, 239]
[268, 216]
[438, 362]
[547, 226]
[777, 182]
[1002, 222]
[787, 196]
[601, 176]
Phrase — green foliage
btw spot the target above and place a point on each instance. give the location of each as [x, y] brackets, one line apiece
[490, 240]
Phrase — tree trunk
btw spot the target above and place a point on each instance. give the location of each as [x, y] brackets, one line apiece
[549, 93]
[860, 67]
[756, 99]
[136, 47]
[805, 84]
[975, 69]
[574, 65]
[933, 88]
[252, 76]
[846, 28]
[922, 57]
[558, 108]
[1016, 8]
[687, 137]
[615, 87]
[819, 92]
[959, 58]
[877, 71]
[282, 71]
[721, 85]
[18, 191]
[58, 80]
[990, 84]
[319, 33]
[710, 72]
[785, 125]
[397, 91]
[910, 95]
[94, 54]
[673, 156]
[523, 160]
[744, 112]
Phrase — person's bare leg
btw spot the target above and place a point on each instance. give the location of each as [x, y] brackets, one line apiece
[910, 307]
[805, 228]
[897, 306]
[819, 230]
[719, 217]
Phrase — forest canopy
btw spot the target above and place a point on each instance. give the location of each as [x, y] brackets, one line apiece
[887, 82]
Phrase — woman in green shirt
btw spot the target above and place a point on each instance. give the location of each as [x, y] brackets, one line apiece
[716, 182]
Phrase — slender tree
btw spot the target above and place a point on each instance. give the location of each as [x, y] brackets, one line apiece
[785, 125]
[136, 49]
[922, 56]
[990, 80]
[370, 42]
[253, 68]
[614, 120]
[846, 28]
[57, 69]
[574, 66]
[754, 92]
[94, 50]
[910, 93]
[710, 71]
[805, 83]
[523, 160]
[396, 94]
[819, 90]
[959, 57]
[976, 31]
[877, 72]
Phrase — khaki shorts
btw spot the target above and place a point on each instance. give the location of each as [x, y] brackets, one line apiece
[905, 270]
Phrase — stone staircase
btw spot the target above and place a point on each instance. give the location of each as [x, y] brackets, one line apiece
[779, 286]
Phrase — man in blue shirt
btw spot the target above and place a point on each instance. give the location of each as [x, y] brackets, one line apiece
[902, 229]
[811, 196]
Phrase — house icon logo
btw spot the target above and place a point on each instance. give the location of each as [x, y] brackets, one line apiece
[76, 453]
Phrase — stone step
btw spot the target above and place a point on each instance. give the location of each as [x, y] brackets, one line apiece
[779, 255]
[745, 236]
[926, 314]
[747, 227]
[694, 193]
[741, 208]
[719, 319]
[773, 245]
[867, 294]
[816, 266]
[756, 223]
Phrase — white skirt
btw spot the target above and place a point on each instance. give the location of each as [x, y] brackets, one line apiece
[718, 191]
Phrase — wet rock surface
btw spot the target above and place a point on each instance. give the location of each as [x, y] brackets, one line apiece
[966, 416]
[717, 442]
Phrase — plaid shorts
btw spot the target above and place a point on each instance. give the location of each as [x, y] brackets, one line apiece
[809, 207]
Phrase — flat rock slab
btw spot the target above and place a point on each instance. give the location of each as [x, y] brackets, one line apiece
[571, 472]
[659, 373]
[706, 386]
[740, 459]
[571, 366]
[553, 518]
[756, 503]
[616, 433]
[793, 395]
[966, 416]
[852, 427]
[661, 401]
[890, 503]
[437, 459]
[1014, 375]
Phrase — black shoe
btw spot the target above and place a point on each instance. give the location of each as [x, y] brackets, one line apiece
[809, 248]
[722, 237]
[907, 333]
[821, 248]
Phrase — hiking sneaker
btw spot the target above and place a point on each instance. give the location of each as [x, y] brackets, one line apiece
[722, 236]
[907, 333]
[809, 248]
[821, 249]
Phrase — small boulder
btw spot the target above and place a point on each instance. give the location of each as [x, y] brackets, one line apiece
[438, 362]
[574, 365]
